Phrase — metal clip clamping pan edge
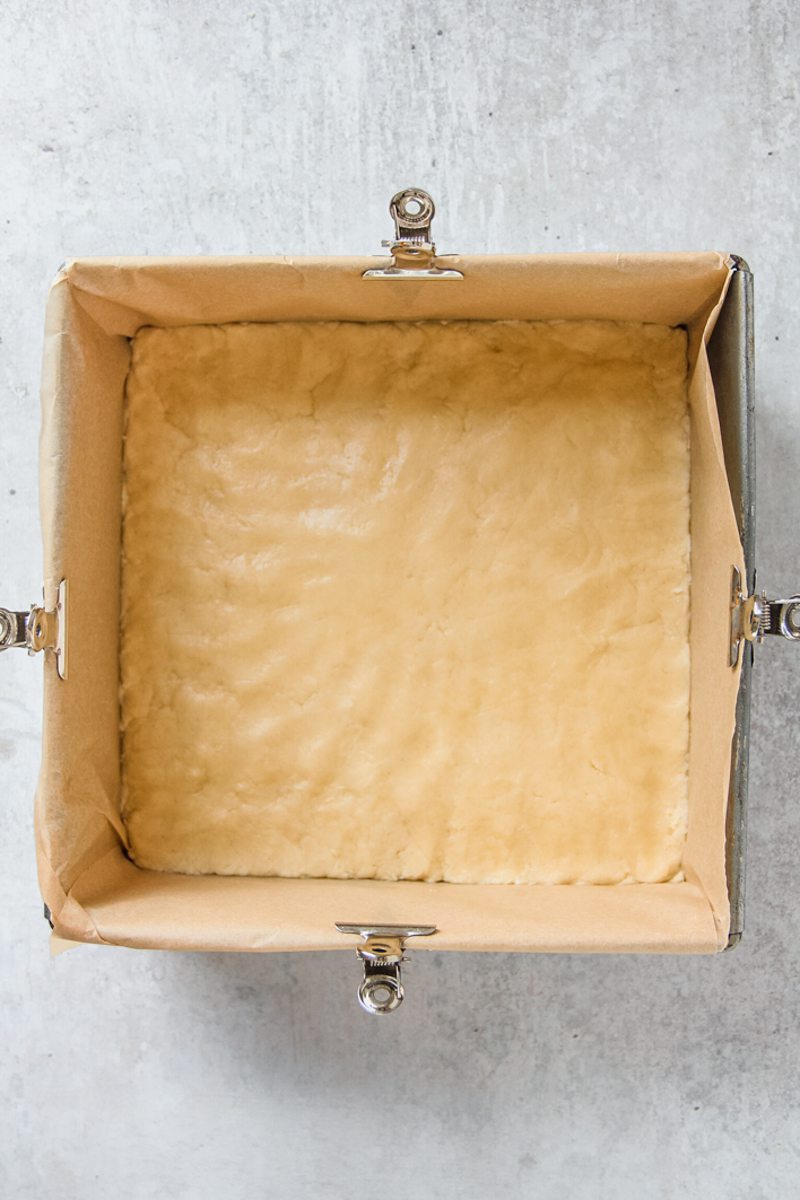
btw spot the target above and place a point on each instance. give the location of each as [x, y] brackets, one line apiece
[413, 249]
[381, 951]
[39, 629]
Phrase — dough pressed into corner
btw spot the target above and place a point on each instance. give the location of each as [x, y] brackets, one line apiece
[407, 601]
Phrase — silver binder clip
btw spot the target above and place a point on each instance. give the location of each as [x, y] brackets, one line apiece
[38, 629]
[753, 617]
[413, 249]
[381, 952]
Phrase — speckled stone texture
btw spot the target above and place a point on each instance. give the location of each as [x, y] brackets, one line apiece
[199, 128]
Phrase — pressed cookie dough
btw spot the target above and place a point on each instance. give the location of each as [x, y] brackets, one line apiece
[407, 601]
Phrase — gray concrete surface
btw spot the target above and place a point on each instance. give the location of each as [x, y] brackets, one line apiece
[199, 127]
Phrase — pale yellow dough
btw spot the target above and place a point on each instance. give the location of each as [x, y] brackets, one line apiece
[407, 601]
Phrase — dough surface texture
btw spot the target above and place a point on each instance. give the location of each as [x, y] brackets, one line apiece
[407, 601]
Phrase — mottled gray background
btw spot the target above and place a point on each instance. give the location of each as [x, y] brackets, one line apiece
[202, 127]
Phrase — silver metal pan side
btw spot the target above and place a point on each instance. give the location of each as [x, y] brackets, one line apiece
[731, 358]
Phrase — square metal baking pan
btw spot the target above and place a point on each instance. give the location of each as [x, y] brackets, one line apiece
[412, 269]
